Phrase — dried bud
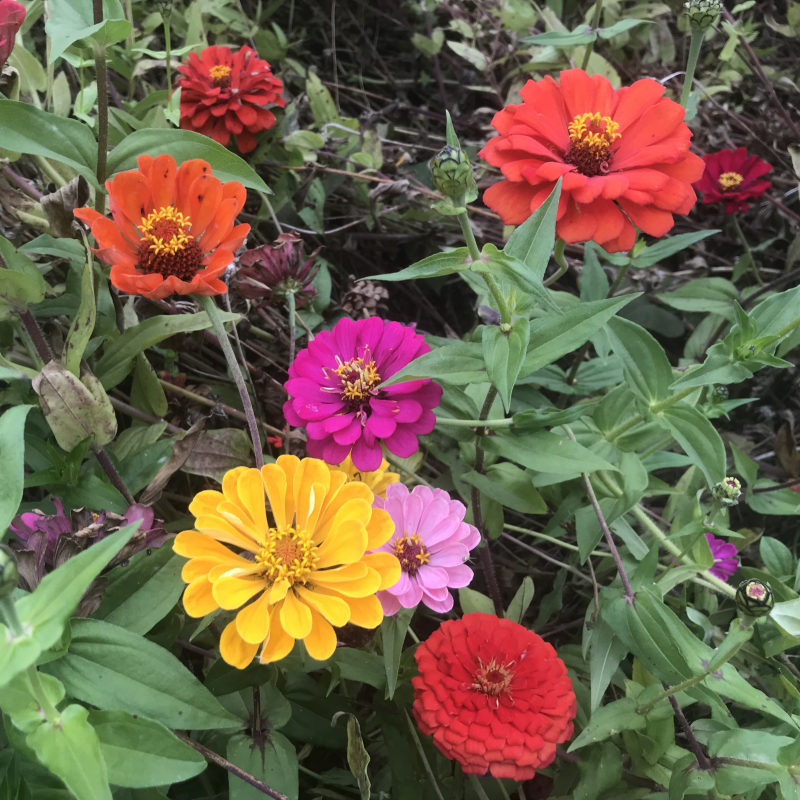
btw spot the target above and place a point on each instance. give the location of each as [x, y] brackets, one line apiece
[452, 172]
[754, 598]
[702, 13]
[728, 491]
[9, 576]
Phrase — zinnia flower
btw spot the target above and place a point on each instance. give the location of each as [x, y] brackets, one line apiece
[12, 15]
[294, 576]
[225, 93]
[493, 695]
[378, 480]
[431, 542]
[725, 557]
[334, 388]
[173, 229]
[731, 177]
[623, 155]
[274, 271]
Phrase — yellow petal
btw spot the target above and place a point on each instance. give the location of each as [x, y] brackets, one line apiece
[251, 496]
[321, 641]
[348, 492]
[334, 609]
[274, 479]
[357, 508]
[229, 482]
[252, 621]
[192, 544]
[279, 644]
[350, 572]
[239, 569]
[198, 599]
[380, 528]
[278, 590]
[196, 568]
[217, 527]
[235, 650]
[237, 516]
[343, 545]
[289, 465]
[295, 616]
[366, 612]
[386, 565]
[369, 584]
[232, 592]
[205, 502]
[307, 497]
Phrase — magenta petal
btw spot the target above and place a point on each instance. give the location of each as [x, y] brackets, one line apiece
[365, 457]
[381, 427]
[333, 452]
[402, 443]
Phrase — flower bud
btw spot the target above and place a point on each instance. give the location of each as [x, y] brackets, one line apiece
[702, 14]
[728, 491]
[452, 172]
[718, 394]
[754, 598]
[9, 576]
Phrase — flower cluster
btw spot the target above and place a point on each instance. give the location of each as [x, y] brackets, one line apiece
[225, 93]
[732, 177]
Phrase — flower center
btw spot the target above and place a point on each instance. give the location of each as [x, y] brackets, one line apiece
[289, 554]
[755, 592]
[493, 679]
[730, 181]
[166, 246]
[411, 553]
[359, 378]
[591, 137]
[219, 73]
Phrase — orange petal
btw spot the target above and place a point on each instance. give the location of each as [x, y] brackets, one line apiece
[205, 195]
[131, 193]
[162, 180]
[512, 201]
[187, 174]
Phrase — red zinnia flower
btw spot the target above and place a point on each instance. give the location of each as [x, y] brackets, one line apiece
[173, 229]
[731, 178]
[224, 93]
[494, 696]
[624, 157]
[12, 15]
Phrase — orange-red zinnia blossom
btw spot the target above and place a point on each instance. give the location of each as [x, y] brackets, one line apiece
[623, 155]
[493, 695]
[224, 93]
[172, 229]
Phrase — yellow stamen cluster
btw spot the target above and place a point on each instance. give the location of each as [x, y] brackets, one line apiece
[730, 180]
[359, 378]
[411, 553]
[288, 554]
[593, 132]
[493, 679]
[164, 231]
[219, 72]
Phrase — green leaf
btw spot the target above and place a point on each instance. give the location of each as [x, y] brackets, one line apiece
[393, 634]
[606, 653]
[458, 363]
[594, 282]
[12, 465]
[18, 700]
[22, 283]
[544, 451]
[472, 601]
[698, 438]
[652, 254]
[26, 129]
[621, 715]
[69, 748]
[450, 132]
[777, 557]
[647, 370]
[82, 326]
[705, 295]
[535, 419]
[275, 766]
[431, 267]
[620, 27]
[562, 38]
[117, 360]
[357, 755]
[510, 486]
[112, 668]
[787, 616]
[504, 354]
[555, 335]
[532, 242]
[140, 753]
[521, 600]
[322, 106]
[70, 21]
[182, 146]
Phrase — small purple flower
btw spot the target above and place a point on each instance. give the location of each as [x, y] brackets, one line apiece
[432, 542]
[725, 560]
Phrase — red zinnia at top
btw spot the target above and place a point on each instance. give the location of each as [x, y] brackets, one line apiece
[225, 93]
[12, 15]
[623, 155]
[494, 696]
[731, 177]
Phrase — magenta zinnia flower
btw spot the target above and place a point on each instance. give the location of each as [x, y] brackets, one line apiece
[334, 390]
[432, 542]
[725, 561]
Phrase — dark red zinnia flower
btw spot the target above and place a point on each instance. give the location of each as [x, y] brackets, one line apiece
[493, 695]
[731, 177]
[225, 93]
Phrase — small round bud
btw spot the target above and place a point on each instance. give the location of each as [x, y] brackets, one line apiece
[728, 491]
[452, 172]
[702, 13]
[754, 598]
[718, 394]
[9, 575]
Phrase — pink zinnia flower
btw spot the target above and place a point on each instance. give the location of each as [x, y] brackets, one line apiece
[725, 561]
[334, 390]
[432, 542]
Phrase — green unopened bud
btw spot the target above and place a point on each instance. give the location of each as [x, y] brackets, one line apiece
[728, 491]
[9, 575]
[718, 394]
[702, 13]
[452, 172]
[754, 598]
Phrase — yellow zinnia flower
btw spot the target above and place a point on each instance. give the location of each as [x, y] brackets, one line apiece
[303, 573]
[378, 480]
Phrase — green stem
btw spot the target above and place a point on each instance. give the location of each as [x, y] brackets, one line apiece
[168, 48]
[476, 786]
[618, 280]
[506, 422]
[656, 408]
[787, 329]
[210, 307]
[695, 43]
[747, 250]
[50, 711]
[290, 301]
[558, 255]
[421, 751]
[129, 16]
[559, 542]
[587, 54]
[9, 611]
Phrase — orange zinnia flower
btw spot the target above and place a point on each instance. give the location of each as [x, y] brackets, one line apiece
[172, 230]
[623, 155]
